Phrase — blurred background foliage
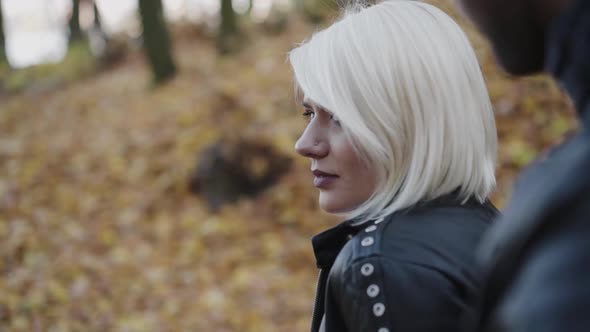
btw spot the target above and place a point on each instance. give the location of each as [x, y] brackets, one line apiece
[147, 174]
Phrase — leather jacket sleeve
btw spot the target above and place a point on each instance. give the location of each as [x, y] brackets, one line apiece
[381, 294]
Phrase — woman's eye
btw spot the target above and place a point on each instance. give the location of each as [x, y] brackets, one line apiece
[308, 114]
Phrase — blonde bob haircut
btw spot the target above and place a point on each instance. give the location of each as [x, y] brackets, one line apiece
[406, 86]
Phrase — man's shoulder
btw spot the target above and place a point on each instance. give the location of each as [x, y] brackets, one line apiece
[542, 237]
[548, 195]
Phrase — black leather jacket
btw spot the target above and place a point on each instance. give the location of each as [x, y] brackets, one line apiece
[412, 271]
[537, 257]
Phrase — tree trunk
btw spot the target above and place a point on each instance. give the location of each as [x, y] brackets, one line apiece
[3, 58]
[97, 23]
[97, 19]
[250, 6]
[228, 28]
[156, 41]
[75, 31]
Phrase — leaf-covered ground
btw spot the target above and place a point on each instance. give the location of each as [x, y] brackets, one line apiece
[99, 233]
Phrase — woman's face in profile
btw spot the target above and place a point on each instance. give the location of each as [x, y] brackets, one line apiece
[344, 181]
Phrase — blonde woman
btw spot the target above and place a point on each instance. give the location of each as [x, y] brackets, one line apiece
[402, 143]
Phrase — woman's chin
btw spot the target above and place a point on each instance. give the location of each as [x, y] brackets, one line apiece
[333, 205]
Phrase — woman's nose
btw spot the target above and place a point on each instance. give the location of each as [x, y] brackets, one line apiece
[311, 146]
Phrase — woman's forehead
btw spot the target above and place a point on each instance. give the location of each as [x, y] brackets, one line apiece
[306, 101]
[309, 104]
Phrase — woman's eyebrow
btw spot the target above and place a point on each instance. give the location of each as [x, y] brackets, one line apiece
[315, 107]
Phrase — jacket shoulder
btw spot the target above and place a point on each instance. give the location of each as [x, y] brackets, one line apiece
[436, 244]
[404, 268]
[428, 236]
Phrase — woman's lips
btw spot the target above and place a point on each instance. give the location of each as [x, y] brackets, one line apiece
[323, 180]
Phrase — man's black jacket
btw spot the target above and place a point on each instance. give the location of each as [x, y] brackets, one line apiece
[537, 257]
[412, 271]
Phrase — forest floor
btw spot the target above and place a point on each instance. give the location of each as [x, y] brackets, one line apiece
[98, 231]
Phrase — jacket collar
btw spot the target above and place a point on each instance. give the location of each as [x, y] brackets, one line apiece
[568, 54]
[327, 244]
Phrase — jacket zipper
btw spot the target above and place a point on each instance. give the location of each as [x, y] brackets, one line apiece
[316, 318]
